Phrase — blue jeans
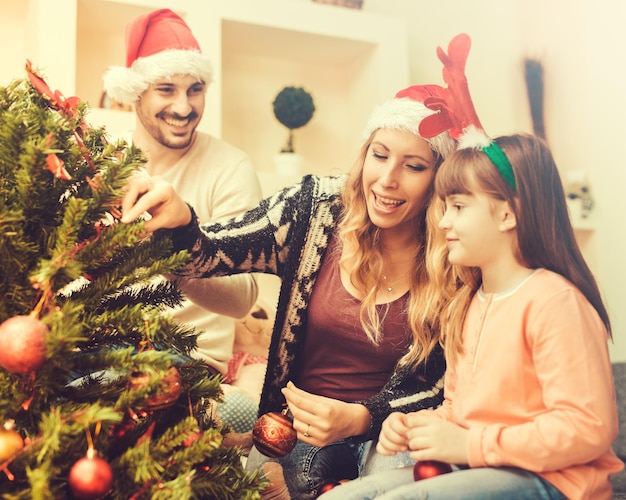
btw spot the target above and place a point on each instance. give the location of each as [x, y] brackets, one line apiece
[506, 483]
[307, 468]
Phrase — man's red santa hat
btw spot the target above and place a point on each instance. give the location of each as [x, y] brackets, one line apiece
[159, 44]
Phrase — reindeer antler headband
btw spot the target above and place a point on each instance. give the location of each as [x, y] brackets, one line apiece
[455, 110]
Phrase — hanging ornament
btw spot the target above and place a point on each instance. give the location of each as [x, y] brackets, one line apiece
[168, 392]
[273, 434]
[192, 438]
[430, 468]
[90, 477]
[10, 441]
[132, 422]
[22, 344]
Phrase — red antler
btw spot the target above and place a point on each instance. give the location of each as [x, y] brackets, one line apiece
[455, 110]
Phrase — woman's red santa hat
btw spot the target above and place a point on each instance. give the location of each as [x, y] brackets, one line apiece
[159, 44]
[406, 111]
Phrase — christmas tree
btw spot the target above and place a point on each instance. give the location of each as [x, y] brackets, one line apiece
[100, 396]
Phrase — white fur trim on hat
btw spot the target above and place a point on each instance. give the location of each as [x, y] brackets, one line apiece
[125, 85]
[474, 137]
[405, 114]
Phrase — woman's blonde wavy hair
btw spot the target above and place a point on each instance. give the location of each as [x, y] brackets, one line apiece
[429, 290]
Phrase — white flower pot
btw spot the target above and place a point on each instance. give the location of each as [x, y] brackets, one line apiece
[288, 163]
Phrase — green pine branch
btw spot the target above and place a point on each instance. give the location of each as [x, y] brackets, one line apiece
[98, 287]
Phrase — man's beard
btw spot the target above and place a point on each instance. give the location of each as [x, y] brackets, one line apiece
[153, 128]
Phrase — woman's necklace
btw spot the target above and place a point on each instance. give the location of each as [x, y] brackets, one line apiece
[390, 284]
[402, 258]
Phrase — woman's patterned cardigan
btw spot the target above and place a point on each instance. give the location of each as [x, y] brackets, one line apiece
[287, 235]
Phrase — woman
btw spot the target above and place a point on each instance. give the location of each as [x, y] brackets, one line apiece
[356, 334]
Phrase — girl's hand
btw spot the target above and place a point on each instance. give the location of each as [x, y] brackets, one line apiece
[320, 421]
[158, 198]
[432, 438]
[393, 435]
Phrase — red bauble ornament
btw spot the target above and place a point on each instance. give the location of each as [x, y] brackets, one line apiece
[168, 392]
[192, 438]
[274, 435]
[10, 442]
[90, 477]
[22, 344]
[430, 468]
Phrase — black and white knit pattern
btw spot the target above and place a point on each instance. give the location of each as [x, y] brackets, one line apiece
[288, 235]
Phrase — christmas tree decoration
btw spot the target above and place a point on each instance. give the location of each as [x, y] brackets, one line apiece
[86, 343]
[191, 438]
[168, 392]
[273, 435]
[91, 477]
[22, 344]
[10, 441]
[430, 468]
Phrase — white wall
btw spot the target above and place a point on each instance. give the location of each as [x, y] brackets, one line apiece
[582, 44]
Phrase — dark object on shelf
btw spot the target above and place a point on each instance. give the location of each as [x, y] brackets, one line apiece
[533, 73]
[294, 108]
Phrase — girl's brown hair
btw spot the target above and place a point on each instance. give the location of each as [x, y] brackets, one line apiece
[545, 235]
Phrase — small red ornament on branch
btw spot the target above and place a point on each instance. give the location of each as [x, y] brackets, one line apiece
[10, 441]
[273, 434]
[91, 477]
[169, 391]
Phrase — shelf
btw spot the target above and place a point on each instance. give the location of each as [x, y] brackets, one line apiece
[580, 223]
[583, 223]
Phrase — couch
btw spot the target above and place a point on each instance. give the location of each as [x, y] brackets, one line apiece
[619, 480]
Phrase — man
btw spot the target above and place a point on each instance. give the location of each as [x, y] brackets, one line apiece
[165, 79]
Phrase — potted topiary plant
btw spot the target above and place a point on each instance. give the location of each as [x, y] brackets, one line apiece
[293, 108]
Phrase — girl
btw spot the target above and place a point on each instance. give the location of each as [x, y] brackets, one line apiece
[356, 332]
[529, 408]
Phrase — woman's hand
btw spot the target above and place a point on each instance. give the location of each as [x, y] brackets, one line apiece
[321, 421]
[393, 435]
[158, 198]
[431, 438]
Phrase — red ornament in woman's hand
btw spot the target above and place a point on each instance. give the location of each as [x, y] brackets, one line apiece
[430, 468]
[273, 435]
